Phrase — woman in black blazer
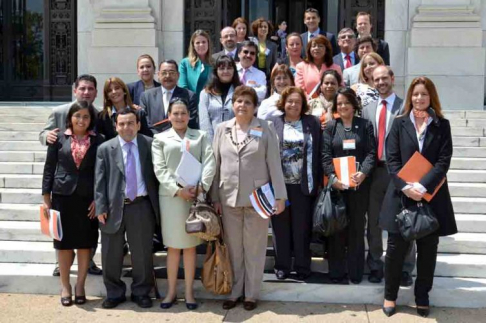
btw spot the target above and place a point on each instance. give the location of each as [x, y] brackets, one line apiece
[300, 137]
[421, 128]
[360, 142]
[146, 72]
[68, 187]
[115, 97]
[267, 50]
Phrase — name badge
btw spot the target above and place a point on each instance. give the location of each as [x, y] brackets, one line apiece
[267, 51]
[251, 83]
[256, 132]
[349, 144]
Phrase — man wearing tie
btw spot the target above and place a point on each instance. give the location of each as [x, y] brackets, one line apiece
[156, 101]
[126, 200]
[312, 20]
[382, 113]
[347, 57]
[228, 40]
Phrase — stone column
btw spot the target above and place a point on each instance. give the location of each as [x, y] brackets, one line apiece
[446, 45]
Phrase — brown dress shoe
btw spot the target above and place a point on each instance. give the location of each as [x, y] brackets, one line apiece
[249, 305]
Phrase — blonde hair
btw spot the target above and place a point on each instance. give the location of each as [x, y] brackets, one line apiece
[376, 57]
[193, 57]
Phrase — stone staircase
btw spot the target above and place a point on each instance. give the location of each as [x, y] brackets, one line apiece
[27, 257]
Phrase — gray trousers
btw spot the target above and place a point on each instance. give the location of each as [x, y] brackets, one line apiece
[138, 223]
[379, 184]
[246, 235]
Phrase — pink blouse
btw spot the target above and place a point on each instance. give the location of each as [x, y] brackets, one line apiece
[79, 147]
[307, 76]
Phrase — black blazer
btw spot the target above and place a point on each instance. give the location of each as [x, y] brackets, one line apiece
[332, 145]
[401, 144]
[271, 58]
[106, 125]
[60, 173]
[383, 50]
[329, 36]
[136, 89]
[311, 127]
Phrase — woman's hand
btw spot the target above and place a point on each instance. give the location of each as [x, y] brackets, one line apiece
[187, 193]
[413, 194]
[338, 185]
[136, 107]
[102, 218]
[279, 206]
[47, 204]
[218, 207]
[91, 209]
[358, 178]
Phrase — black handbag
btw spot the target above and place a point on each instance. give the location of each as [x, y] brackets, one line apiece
[329, 215]
[416, 221]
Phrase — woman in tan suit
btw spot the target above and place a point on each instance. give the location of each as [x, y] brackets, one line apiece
[247, 157]
[176, 200]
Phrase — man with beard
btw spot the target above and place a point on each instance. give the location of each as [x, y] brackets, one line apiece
[249, 75]
[228, 40]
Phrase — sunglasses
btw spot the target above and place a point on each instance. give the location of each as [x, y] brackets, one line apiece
[346, 37]
[247, 52]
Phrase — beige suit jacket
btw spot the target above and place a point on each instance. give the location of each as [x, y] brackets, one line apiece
[240, 171]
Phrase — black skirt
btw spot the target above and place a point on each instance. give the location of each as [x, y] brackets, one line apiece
[79, 231]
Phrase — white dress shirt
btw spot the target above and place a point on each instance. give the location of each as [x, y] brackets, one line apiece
[390, 100]
[314, 34]
[352, 56]
[268, 108]
[141, 188]
[166, 105]
[255, 79]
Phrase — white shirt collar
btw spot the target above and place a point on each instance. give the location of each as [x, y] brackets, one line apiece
[240, 68]
[389, 100]
[315, 33]
[164, 90]
[123, 142]
[232, 53]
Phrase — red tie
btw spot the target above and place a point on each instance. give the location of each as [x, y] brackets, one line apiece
[348, 62]
[381, 130]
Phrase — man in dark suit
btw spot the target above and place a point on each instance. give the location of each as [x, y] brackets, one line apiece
[228, 40]
[382, 113]
[363, 26]
[156, 101]
[347, 57]
[312, 20]
[126, 201]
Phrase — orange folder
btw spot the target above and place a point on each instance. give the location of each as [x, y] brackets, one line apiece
[344, 168]
[416, 168]
[51, 226]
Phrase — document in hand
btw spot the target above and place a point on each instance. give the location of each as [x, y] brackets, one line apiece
[51, 227]
[263, 200]
[188, 172]
[344, 168]
[417, 167]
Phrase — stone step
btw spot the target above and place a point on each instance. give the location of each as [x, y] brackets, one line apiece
[19, 212]
[22, 167]
[465, 163]
[474, 223]
[467, 141]
[20, 195]
[467, 131]
[21, 181]
[469, 205]
[475, 122]
[467, 189]
[469, 152]
[24, 118]
[475, 114]
[18, 110]
[458, 122]
[447, 292]
[466, 176]
[32, 145]
[11, 126]
[19, 135]
[22, 156]
[454, 114]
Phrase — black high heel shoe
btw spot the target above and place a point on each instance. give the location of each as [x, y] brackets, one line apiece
[424, 312]
[191, 306]
[389, 311]
[169, 304]
[67, 301]
[79, 299]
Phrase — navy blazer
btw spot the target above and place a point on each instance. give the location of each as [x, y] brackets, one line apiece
[329, 36]
[311, 127]
[401, 144]
[383, 50]
[338, 60]
[136, 89]
[61, 176]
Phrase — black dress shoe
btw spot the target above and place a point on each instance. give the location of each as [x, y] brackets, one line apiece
[169, 304]
[142, 301]
[249, 306]
[281, 275]
[191, 306]
[302, 276]
[356, 281]
[375, 277]
[406, 280]
[95, 270]
[56, 272]
[424, 312]
[113, 302]
[389, 311]
[67, 301]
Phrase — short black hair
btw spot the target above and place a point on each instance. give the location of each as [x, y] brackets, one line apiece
[169, 61]
[312, 10]
[177, 100]
[85, 77]
[79, 105]
[125, 111]
[248, 43]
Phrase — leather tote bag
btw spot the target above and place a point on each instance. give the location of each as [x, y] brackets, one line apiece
[416, 221]
[329, 215]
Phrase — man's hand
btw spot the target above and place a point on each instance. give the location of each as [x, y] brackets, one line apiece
[52, 136]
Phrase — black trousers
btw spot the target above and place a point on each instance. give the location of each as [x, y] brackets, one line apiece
[292, 230]
[351, 258]
[138, 223]
[426, 259]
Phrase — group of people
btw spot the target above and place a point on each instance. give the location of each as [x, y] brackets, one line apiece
[251, 116]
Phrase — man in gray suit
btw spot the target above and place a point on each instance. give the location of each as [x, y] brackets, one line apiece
[364, 46]
[156, 101]
[84, 90]
[126, 201]
[228, 40]
[382, 113]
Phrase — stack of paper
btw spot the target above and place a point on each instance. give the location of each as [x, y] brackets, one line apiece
[51, 226]
[263, 201]
[189, 170]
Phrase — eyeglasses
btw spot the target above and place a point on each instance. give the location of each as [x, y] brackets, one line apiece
[247, 52]
[170, 73]
[346, 37]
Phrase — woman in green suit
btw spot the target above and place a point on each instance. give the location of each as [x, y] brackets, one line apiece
[196, 68]
[175, 200]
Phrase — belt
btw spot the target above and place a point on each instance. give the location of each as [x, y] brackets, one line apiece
[136, 200]
[381, 163]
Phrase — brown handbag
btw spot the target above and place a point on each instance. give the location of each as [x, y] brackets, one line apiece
[203, 221]
[217, 274]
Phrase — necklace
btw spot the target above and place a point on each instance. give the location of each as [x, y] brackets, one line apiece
[238, 144]
[348, 128]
